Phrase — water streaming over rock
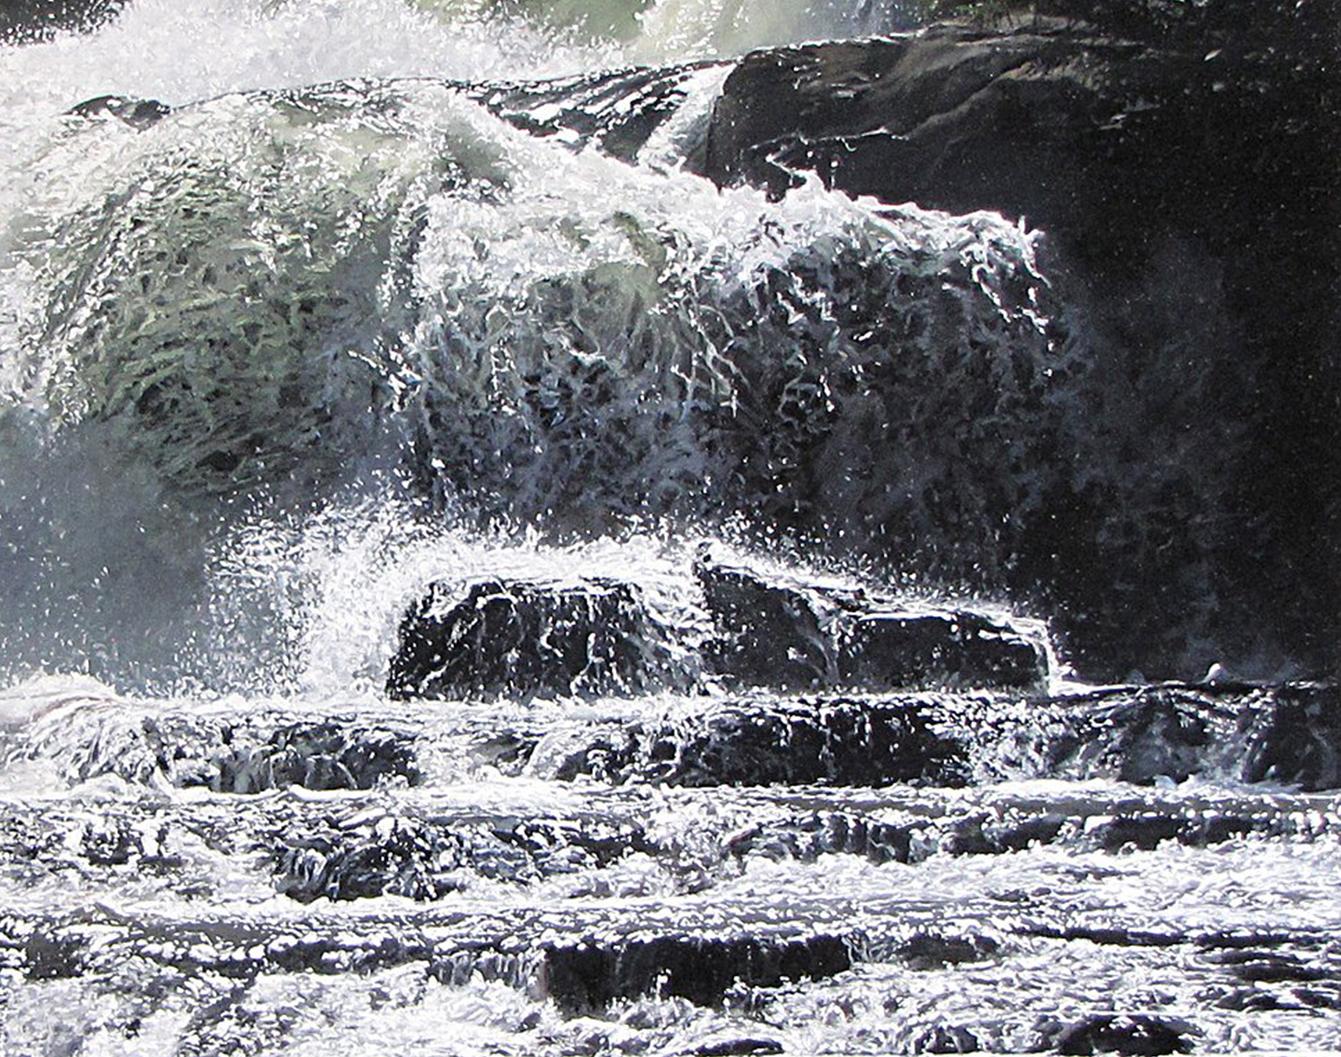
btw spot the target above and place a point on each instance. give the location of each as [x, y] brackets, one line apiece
[469, 584]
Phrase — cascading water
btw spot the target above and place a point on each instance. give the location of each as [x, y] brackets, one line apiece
[470, 585]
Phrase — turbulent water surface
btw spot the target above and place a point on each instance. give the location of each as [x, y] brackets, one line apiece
[436, 608]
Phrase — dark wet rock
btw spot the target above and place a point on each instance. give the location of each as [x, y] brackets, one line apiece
[929, 950]
[527, 638]
[737, 1048]
[881, 650]
[1129, 1034]
[792, 635]
[50, 957]
[597, 637]
[768, 634]
[113, 843]
[31, 20]
[1170, 156]
[424, 859]
[248, 755]
[1289, 733]
[615, 111]
[137, 113]
[1004, 826]
[1268, 966]
[807, 837]
[604, 752]
[1231, 943]
[835, 740]
[625, 957]
[591, 975]
[75, 847]
[1111, 937]
[1017, 836]
[316, 756]
[398, 858]
[1319, 998]
[1138, 831]
[1146, 830]
[1296, 739]
[1253, 1000]
[1138, 734]
[507, 750]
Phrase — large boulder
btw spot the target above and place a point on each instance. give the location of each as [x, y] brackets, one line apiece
[599, 637]
[529, 638]
[1176, 157]
[889, 648]
[790, 634]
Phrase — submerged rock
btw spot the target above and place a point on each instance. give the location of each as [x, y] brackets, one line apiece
[1131, 1034]
[137, 113]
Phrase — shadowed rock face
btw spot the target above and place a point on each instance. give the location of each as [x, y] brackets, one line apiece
[767, 634]
[1174, 159]
[900, 649]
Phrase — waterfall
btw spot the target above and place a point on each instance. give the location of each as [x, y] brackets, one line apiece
[470, 583]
